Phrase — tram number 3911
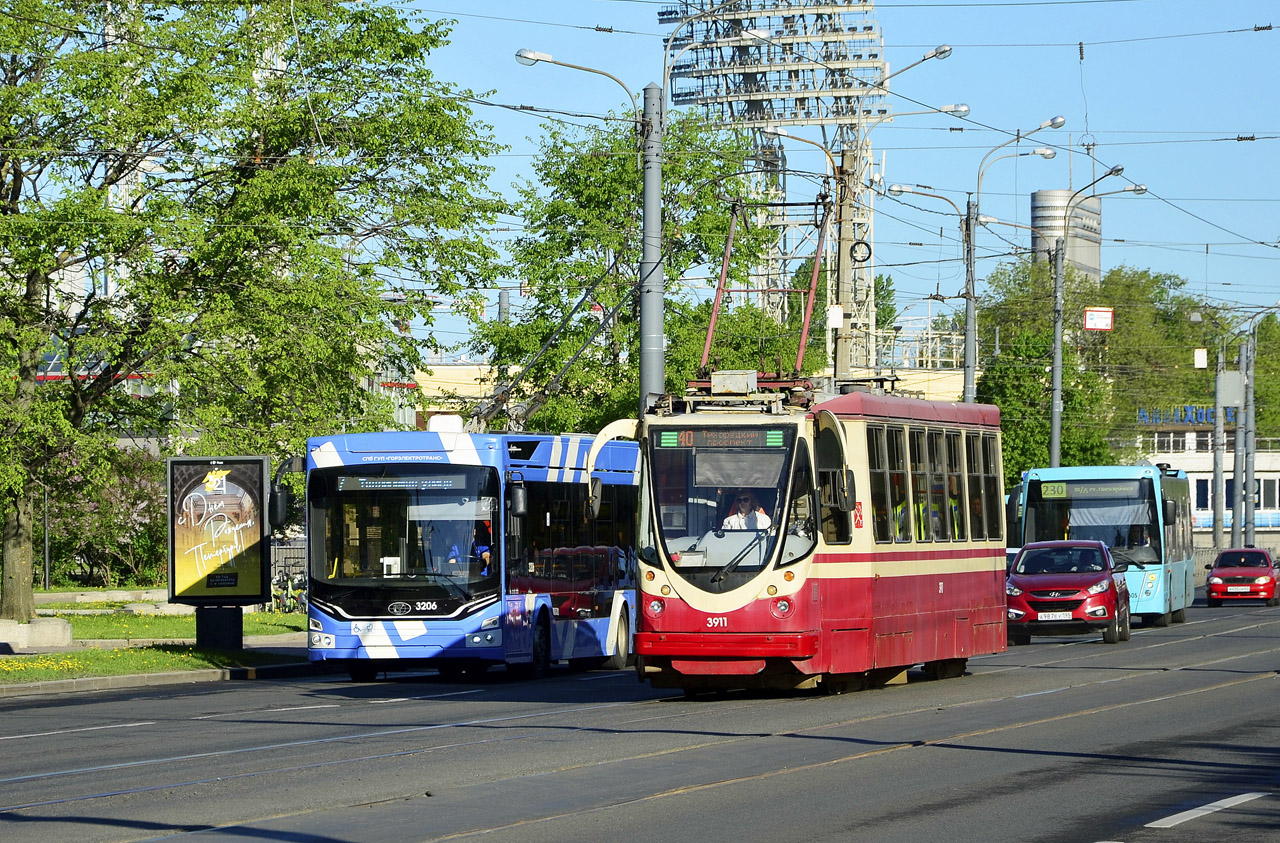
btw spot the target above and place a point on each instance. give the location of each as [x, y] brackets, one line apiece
[712, 623]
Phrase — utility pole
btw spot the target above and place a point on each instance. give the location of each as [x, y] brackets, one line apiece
[1237, 498]
[1055, 406]
[1219, 452]
[652, 286]
[1250, 490]
[970, 303]
[844, 266]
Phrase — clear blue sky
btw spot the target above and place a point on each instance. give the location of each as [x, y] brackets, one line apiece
[1165, 88]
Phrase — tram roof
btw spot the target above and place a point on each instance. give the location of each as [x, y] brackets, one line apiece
[896, 408]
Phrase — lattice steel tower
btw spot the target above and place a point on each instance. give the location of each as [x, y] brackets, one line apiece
[761, 65]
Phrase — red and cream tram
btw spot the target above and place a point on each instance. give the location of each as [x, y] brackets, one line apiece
[793, 542]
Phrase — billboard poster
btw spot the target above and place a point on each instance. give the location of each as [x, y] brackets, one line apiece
[218, 535]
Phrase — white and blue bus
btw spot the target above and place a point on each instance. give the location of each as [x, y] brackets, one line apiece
[461, 551]
[1142, 512]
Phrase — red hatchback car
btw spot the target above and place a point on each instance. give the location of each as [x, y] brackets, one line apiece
[1242, 573]
[1067, 588]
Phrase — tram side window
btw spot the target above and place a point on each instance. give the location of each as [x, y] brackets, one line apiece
[830, 459]
[955, 486]
[939, 510]
[881, 505]
[973, 466]
[801, 534]
[925, 515]
[992, 483]
[899, 504]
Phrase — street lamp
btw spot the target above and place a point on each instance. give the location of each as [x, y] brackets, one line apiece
[1250, 409]
[970, 270]
[652, 365]
[1059, 256]
[531, 57]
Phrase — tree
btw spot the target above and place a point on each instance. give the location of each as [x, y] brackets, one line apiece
[209, 201]
[583, 224]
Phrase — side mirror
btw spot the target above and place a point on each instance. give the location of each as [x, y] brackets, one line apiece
[518, 500]
[278, 505]
[1170, 512]
[1209, 567]
[1119, 567]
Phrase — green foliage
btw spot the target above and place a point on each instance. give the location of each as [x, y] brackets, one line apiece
[206, 203]
[583, 224]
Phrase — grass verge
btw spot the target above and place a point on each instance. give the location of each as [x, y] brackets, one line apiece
[128, 626]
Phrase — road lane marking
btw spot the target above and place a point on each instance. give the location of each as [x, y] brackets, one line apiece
[81, 729]
[1205, 810]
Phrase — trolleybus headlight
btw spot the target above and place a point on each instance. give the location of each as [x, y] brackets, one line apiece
[1215, 580]
[1099, 587]
[655, 607]
[1012, 590]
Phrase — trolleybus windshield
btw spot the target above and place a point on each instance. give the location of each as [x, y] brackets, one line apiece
[1121, 513]
[718, 493]
[430, 529]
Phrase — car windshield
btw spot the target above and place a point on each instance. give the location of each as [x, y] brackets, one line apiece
[1059, 560]
[1242, 559]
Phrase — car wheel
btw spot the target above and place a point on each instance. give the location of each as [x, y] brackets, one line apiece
[1274, 601]
[1111, 635]
[1213, 602]
[1126, 631]
[1019, 638]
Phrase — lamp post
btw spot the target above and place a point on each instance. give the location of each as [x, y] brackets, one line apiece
[652, 372]
[1059, 257]
[1219, 439]
[970, 269]
[1250, 409]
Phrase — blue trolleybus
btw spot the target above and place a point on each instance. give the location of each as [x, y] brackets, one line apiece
[1142, 512]
[460, 551]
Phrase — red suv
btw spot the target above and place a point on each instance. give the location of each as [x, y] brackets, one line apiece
[1067, 588]
[1242, 573]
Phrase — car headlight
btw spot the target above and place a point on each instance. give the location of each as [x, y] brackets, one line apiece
[1100, 587]
[1215, 580]
[1012, 590]
[1262, 580]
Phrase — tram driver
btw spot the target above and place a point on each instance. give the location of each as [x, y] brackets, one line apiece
[746, 513]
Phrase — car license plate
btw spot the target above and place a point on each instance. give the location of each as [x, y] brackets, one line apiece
[1237, 588]
[1053, 616]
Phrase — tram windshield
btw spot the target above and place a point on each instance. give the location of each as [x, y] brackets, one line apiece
[1121, 513]
[425, 527]
[719, 494]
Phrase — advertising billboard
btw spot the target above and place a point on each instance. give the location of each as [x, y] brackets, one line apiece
[219, 551]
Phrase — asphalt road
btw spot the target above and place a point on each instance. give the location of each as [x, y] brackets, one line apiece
[1170, 737]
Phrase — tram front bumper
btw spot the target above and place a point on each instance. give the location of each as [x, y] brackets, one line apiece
[692, 645]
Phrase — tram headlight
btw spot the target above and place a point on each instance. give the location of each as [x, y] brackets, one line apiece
[782, 607]
[655, 607]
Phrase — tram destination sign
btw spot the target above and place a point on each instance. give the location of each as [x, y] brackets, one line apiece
[723, 437]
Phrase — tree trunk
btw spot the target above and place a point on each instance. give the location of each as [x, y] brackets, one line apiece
[17, 601]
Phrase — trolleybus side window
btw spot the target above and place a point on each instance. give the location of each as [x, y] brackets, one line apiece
[899, 503]
[956, 516]
[830, 460]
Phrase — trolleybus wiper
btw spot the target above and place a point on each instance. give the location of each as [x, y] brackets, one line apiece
[728, 569]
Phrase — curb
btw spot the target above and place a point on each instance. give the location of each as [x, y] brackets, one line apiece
[177, 677]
